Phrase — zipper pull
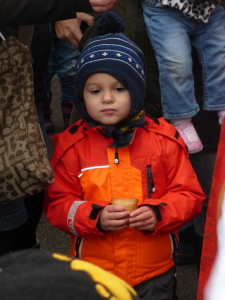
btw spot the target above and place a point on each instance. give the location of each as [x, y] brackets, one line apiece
[116, 159]
[151, 185]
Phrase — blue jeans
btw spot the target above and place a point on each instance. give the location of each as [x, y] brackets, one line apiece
[172, 36]
[62, 61]
[12, 215]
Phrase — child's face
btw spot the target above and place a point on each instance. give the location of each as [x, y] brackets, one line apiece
[107, 100]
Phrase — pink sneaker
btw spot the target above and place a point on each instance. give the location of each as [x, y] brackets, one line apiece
[221, 115]
[190, 137]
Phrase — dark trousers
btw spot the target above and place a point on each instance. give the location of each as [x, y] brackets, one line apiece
[203, 164]
[24, 236]
[162, 287]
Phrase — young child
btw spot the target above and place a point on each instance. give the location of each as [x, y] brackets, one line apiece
[173, 28]
[118, 152]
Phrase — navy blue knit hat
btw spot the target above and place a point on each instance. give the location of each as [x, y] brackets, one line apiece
[111, 52]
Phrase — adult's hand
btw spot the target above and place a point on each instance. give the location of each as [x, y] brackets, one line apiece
[69, 30]
[102, 5]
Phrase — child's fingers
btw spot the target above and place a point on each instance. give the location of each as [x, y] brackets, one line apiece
[114, 218]
[112, 225]
[142, 213]
[144, 225]
[115, 212]
[142, 219]
[118, 223]
[115, 208]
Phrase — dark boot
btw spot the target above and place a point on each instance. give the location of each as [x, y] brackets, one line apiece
[47, 112]
[67, 107]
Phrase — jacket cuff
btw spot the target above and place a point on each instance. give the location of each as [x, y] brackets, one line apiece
[155, 209]
[99, 227]
[95, 211]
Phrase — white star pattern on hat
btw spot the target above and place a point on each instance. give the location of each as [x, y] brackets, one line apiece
[118, 54]
[104, 53]
[92, 56]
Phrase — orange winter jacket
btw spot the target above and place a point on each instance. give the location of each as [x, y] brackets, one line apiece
[154, 168]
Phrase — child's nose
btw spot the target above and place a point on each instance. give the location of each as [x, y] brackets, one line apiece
[107, 97]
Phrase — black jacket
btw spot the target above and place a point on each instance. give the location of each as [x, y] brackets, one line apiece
[23, 12]
[41, 12]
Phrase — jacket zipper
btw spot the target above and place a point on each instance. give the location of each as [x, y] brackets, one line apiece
[150, 182]
[77, 246]
[175, 244]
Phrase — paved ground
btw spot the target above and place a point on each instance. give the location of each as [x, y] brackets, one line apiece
[53, 239]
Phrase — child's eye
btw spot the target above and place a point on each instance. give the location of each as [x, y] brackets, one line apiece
[120, 89]
[95, 91]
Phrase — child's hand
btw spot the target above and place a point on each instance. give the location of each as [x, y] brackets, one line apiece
[142, 219]
[114, 217]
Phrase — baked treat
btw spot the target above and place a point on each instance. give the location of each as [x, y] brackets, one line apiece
[130, 204]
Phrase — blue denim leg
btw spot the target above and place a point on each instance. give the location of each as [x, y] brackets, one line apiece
[168, 31]
[209, 40]
[172, 35]
[12, 215]
[62, 62]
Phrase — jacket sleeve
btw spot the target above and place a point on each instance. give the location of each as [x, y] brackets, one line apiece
[64, 205]
[184, 196]
[27, 12]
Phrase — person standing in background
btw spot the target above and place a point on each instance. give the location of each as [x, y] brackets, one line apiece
[19, 218]
[62, 62]
[198, 24]
[212, 267]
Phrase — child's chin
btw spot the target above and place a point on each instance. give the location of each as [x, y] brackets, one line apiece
[110, 121]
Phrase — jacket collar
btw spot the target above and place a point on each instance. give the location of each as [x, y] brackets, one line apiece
[123, 132]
